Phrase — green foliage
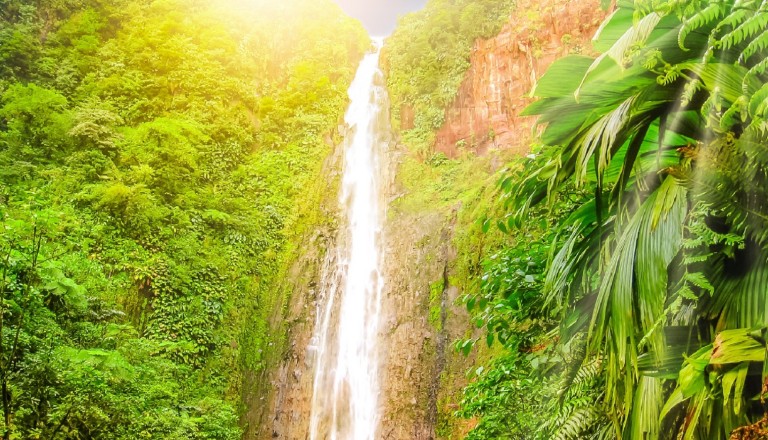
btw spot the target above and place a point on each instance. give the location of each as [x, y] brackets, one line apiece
[154, 164]
[36, 122]
[517, 395]
[427, 56]
[507, 397]
[508, 299]
[435, 304]
[666, 260]
[69, 365]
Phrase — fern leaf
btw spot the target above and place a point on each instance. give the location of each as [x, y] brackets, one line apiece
[735, 114]
[758, 103]
[692, 259]
[699, 280]
[745, 4]
[733, 20]
[572, 372]
[701, 19]
[588, 373]
[756, 70]
[579, 422]
[759, 44]
[687, 293]
[690, 89]
[758, 128]
[745, 31]
[762, 109]
[670, 75]
[712, 105]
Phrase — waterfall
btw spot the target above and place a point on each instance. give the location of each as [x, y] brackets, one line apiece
[345, 400]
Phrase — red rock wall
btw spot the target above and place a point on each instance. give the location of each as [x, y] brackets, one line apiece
[504, 69]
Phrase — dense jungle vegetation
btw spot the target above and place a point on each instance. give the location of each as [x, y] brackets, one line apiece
[629, 299]
[157, 160]
[426, 59]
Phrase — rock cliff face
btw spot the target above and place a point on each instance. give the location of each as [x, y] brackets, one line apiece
[504, 69]
[278, 399]
[423, 319]
[419, 368]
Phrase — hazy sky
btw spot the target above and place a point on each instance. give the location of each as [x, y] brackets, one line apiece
[379, 16]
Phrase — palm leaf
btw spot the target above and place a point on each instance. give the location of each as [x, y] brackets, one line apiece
[646, 407]
[637, 34]
[738, 301]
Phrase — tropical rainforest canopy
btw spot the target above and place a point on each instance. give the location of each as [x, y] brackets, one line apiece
[154, 159]
[161, 160]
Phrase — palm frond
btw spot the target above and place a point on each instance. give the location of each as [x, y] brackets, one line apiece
[638, 33]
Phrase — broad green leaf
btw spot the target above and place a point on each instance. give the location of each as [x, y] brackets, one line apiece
[741, 378]
[562, 77]
[675, 399]
[735, 376]
[736, 346]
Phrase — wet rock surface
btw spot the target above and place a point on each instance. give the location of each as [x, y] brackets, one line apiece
[421, 373]
[282, 411]
[419, 358]
[504, 69]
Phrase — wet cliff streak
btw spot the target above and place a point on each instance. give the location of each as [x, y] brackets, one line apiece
[504, 69]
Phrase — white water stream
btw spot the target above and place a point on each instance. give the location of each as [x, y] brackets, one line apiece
[345, 401]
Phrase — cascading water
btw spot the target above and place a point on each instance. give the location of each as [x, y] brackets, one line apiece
[345, 401]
